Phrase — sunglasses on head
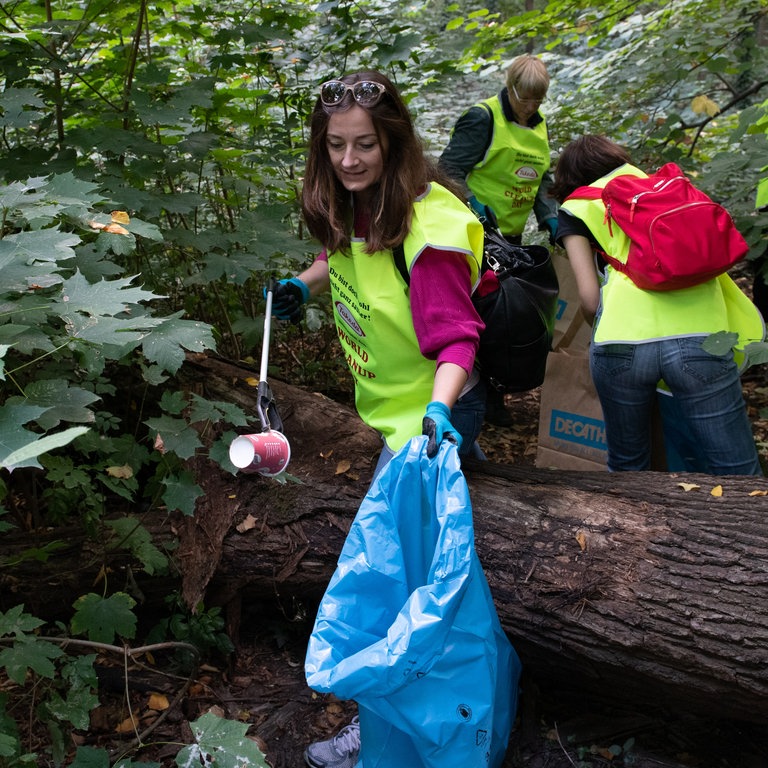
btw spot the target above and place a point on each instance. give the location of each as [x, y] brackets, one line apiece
[532, 102]
[366, 92]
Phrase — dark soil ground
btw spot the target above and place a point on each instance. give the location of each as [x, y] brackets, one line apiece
[262, 683]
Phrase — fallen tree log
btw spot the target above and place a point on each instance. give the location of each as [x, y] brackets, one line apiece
[635, 584]
[628, 584]
[632, 584]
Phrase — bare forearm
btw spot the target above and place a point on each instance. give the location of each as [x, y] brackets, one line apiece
[316, 277]
[449, 381]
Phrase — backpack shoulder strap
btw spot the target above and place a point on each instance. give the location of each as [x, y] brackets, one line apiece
[398, 252]
[586, 193]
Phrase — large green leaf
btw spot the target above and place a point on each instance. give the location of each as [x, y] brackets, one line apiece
[29, 653]
[19, 277]
[220, 742]
[101, 619]
[165, 345]
[61, 401]
[182, 492]
[80, 697]
[9, 745]
[48, 245]
[16, 622]
[176, 434]
[26, 454]
[107, 297]
[217, 411]
[114, 336]
[19, 447]
[18, 195]
[92, 757]
[69, 190]
[133, 536]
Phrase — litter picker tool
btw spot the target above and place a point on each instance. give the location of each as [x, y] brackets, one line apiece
[266, 453]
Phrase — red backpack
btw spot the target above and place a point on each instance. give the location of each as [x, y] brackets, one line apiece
[679, 236]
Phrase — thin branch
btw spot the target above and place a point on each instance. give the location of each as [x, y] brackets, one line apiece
[565, 751]
[130, 653]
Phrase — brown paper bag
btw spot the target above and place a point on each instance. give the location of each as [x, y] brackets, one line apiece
[571, 427]
[571, 329]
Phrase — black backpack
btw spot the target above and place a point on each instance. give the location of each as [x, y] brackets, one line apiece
[519, 316]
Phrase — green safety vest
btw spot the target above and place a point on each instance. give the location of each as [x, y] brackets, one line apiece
[632, 315]
[508, 177]
[372, 312]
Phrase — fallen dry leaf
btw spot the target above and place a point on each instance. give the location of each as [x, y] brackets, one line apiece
[343, 466]
[260, 743]
[604, 752]
[158, 702]
[717, 491]
[247, 524]
[251, 381]
[129, 725]
[123, 473]
[581, 537]
[120, 217]
[758, 493]
[116, 229]
[689, 486]
[113, 229]
[101, 575]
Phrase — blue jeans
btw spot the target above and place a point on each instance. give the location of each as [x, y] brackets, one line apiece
[682, 452]
[707, 392]
[467, 416]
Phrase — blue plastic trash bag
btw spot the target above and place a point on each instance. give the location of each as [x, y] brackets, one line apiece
[408, 628]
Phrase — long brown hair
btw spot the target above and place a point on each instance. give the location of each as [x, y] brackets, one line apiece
[585, 160]
[327, 205]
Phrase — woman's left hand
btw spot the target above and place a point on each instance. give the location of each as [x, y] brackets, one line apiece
[436, 425]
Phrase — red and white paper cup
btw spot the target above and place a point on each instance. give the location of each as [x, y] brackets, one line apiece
[265, 453]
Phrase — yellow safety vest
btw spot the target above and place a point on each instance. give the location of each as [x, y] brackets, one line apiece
[630, 314]
[510, 174]
[372, 312]
[761, 198]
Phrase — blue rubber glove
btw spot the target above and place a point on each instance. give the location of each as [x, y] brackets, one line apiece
[482, 211]
[287, 297]
[551, 225]
[436, 425]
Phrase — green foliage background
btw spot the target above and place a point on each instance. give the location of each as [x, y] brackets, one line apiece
[190, 119]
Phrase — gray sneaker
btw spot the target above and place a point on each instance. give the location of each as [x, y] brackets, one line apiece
[340, 751]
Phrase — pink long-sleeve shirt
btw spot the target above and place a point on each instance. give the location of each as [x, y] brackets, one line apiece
[446, 323]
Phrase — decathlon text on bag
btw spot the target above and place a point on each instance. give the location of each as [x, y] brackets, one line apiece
[679, 236]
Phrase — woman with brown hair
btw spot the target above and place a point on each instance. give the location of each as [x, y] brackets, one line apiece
[642, 337]
[369, 188]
